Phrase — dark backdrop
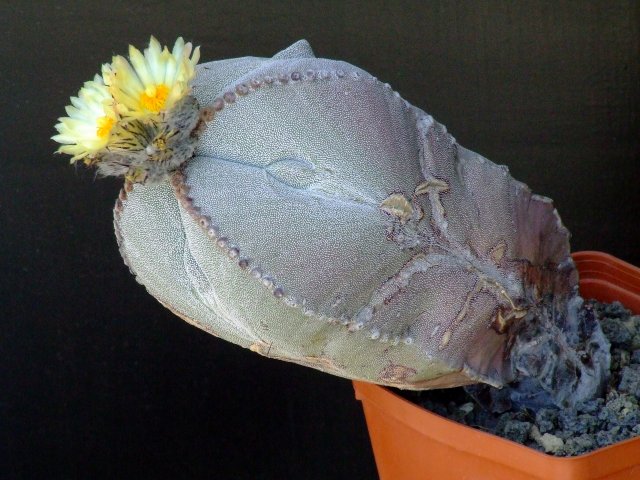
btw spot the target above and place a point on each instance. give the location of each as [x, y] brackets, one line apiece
[98, 380]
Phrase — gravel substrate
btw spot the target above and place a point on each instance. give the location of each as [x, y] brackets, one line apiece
[562, 432]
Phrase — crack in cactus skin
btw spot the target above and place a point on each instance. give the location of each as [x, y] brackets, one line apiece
[369, 243]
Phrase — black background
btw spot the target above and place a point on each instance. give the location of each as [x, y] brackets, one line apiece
[98, 380]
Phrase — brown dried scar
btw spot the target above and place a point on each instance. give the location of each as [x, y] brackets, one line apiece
[431, 185]
[445, 340]
[498, 251]
[398, 206]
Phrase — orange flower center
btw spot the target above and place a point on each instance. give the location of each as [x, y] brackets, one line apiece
[154, 97]
[104, 126]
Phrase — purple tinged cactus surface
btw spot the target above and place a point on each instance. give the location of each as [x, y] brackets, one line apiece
[324, 220]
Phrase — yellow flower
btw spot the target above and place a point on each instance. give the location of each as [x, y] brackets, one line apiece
[91, 119]
[152, 82]
[137, 120]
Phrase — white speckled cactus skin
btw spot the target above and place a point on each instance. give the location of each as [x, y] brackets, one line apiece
[325, 221]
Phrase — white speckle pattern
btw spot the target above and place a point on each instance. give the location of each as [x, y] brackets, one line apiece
[299, 215]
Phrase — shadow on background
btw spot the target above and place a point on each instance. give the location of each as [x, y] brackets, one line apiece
[98, 380]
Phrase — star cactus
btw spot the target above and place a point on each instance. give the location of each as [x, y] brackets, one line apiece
[315, 216]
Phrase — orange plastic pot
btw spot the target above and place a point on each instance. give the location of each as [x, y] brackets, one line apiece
[411, 443]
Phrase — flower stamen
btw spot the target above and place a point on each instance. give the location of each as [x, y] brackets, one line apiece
[104, 125]
[154, 97]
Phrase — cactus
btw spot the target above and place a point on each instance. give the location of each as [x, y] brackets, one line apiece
[324, 220]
